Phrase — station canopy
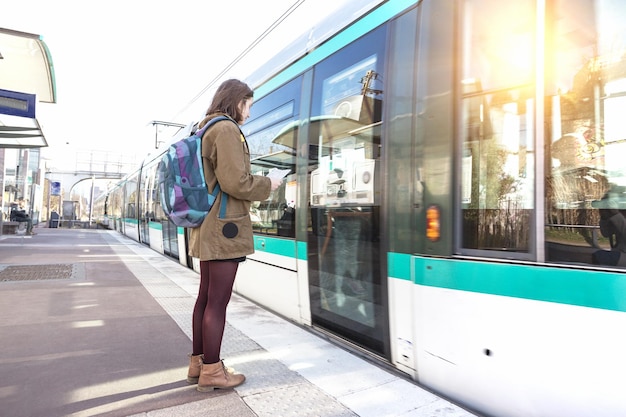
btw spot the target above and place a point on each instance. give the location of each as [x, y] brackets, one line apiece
[26, 77]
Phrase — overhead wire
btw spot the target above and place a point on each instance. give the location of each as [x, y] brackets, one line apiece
[263, 35]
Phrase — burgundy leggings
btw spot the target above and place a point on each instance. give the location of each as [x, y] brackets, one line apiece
[209, 313]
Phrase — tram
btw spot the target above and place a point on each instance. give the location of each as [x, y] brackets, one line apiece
[451, 165]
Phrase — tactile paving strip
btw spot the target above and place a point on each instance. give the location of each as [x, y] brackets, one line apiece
[302, 400]
[37, 272]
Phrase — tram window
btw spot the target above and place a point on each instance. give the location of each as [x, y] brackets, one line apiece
[131, 198]
[150, 193]
[148, 202]
[115, 203]
[159, 214]
[497, 168]
[271, 133]
[585, 131]
[344, 193]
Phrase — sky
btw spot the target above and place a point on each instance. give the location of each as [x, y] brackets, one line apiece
[121, 64]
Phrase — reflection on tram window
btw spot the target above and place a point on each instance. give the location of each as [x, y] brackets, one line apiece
[344, 134]
[497, 191]
[131, 197]
[271, 133]
[585, 134]
[147, 202]
[346, 281]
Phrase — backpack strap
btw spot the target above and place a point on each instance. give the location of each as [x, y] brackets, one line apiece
[223, 205]
[210, 123]
[224, 201]
[216, 190]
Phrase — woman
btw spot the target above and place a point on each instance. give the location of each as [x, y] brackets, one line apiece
[221, 243]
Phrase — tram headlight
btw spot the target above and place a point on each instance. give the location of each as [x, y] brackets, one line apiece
[433, 224]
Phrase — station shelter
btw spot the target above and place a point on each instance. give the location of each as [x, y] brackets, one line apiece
[26, 78]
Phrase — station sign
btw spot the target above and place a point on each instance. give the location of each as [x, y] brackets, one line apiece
[55, 188]
[17, 104]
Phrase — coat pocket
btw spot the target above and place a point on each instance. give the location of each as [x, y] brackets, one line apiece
[235, 235]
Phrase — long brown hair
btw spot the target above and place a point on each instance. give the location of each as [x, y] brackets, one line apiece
[227, 98]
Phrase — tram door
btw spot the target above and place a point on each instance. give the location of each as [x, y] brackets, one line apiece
[347, 284]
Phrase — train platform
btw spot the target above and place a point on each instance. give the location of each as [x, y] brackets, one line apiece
[95, 324]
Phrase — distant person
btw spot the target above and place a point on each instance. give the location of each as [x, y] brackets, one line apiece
[221, 244]
[20, 215]
[612, 226]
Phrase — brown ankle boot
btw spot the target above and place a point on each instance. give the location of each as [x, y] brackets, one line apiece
[216, 375]
[195, 365]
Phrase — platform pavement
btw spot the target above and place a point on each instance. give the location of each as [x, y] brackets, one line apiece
[93, 323]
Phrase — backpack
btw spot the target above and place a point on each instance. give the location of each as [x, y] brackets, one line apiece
[184, 195]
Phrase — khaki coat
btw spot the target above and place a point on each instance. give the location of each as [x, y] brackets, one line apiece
[226, 159]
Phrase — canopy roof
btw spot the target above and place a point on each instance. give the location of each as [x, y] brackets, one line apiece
[25, 67]
[20, 132]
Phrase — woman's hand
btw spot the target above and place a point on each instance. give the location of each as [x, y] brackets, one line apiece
[276, 182]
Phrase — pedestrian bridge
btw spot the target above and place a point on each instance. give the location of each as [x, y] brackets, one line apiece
[69, 179]
[96, 165]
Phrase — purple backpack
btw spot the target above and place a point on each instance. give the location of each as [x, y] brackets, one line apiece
[184, 195]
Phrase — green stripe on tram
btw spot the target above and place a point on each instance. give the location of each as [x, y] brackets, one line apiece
[155, 225]
[301, 251]
[596, 289]
[276, 246]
